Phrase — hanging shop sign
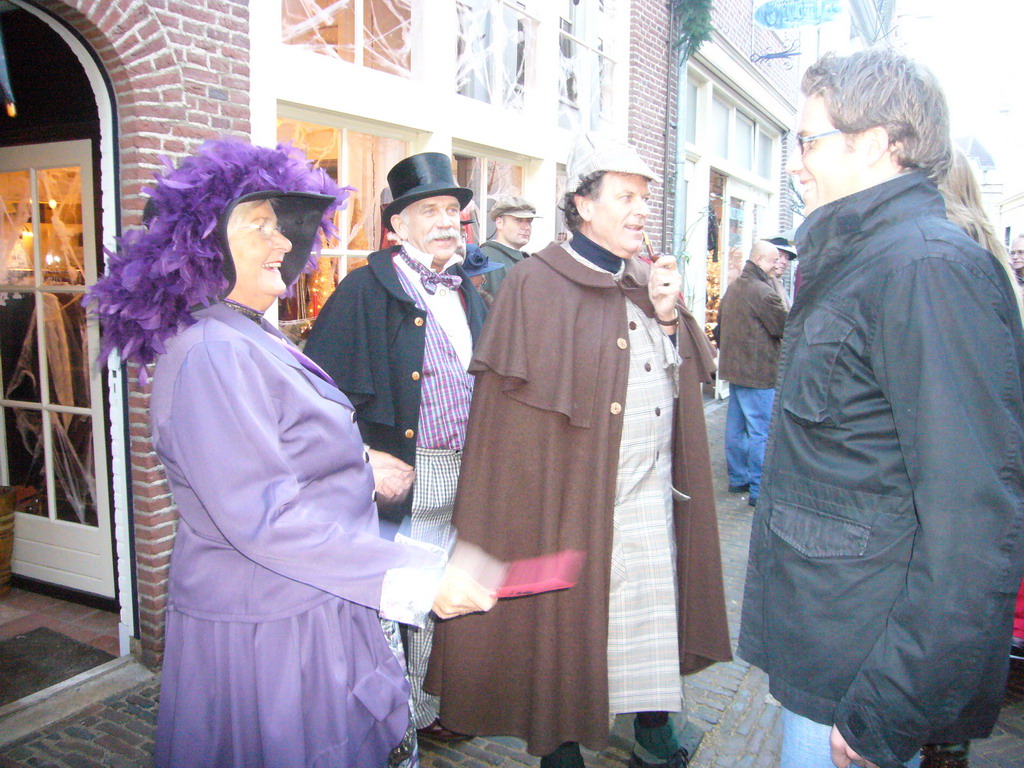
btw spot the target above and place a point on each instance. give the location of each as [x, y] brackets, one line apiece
[789, 14]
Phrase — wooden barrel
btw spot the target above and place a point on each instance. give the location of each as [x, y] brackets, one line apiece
[6, 536]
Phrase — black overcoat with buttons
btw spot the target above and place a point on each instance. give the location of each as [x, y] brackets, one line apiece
[370, 337]
[539, 475]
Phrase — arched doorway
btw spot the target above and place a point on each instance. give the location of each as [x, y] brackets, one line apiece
[54, 417]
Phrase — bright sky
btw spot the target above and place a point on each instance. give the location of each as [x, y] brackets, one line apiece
[976, 49]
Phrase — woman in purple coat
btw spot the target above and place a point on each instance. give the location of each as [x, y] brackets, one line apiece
[274, 654]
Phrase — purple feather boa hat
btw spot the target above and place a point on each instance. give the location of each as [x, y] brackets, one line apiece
[180, 261]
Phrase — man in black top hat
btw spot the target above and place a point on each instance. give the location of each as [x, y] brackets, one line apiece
[397, 336]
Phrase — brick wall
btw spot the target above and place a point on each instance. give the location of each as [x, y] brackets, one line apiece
[650, 94]
[180, 73]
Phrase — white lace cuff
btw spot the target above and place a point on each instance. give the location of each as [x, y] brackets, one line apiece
[407, 594]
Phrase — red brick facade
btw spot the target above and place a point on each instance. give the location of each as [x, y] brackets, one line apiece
[180, 74]
[652, 92]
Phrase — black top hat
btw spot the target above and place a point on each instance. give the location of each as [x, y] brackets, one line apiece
[427, 174]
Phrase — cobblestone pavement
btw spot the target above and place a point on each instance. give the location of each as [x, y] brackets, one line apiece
[728, 704]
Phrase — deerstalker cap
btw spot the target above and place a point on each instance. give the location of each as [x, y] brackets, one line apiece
[594, 152]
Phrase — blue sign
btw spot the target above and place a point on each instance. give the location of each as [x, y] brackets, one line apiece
[788, 14]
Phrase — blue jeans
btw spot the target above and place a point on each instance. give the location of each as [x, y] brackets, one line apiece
[746, 433]
[805, 744]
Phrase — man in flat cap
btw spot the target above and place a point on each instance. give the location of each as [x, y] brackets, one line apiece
[587, 432]
[513, 225]
[397, 336]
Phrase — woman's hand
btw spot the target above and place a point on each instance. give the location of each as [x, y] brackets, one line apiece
[470, 582]
[392, 477]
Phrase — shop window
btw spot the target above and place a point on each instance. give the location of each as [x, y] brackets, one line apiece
[494, 50]
[490, 179]
[370, 33]
[354, 158]
[585, 86]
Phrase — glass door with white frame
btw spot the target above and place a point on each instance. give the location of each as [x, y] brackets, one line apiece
[52, 447]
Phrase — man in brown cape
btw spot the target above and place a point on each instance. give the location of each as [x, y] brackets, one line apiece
[587, 432]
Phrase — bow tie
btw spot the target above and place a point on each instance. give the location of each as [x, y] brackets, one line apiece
[429, 278]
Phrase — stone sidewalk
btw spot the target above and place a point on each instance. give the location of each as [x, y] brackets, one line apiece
[729, 705]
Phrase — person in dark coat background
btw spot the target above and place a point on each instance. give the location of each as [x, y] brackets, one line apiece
[587, 432]
[751, 317]
[885, 550]
[397, 336]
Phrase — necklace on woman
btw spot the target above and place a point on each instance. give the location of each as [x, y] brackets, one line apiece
[253, 314]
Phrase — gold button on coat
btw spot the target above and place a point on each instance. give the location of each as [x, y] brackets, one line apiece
[616, 409]
[415, 375]
[622, 343]
[418, 321]
[409, 433]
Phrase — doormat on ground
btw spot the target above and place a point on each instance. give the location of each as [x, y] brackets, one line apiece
[41, 658]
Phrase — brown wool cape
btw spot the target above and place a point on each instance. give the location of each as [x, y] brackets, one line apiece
[538, 475]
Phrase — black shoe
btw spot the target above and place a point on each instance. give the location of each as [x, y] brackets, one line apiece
[752, 501]
[681, 759]
[739, 488]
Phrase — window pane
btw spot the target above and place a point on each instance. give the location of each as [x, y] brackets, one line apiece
[328, 27]
[744, 154]
[322, 26]
[720, 128]
[569, 79]
[520, 39]
[601, 90]
[369, 160]
[16, 237]
[26, 468]
[473, 56]
[690, 118]
[60, 229]
[19, 352]
[73, 475]
[67, 353]
[764, 155]
[469, 172]
[387, 26]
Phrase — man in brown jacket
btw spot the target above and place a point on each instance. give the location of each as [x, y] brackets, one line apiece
[587, 432]
[751, 318]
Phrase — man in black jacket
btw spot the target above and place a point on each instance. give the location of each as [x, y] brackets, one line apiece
[397, 336]
[751, 319]
[886, 547]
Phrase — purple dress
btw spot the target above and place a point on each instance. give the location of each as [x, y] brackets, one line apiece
[274, 654]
